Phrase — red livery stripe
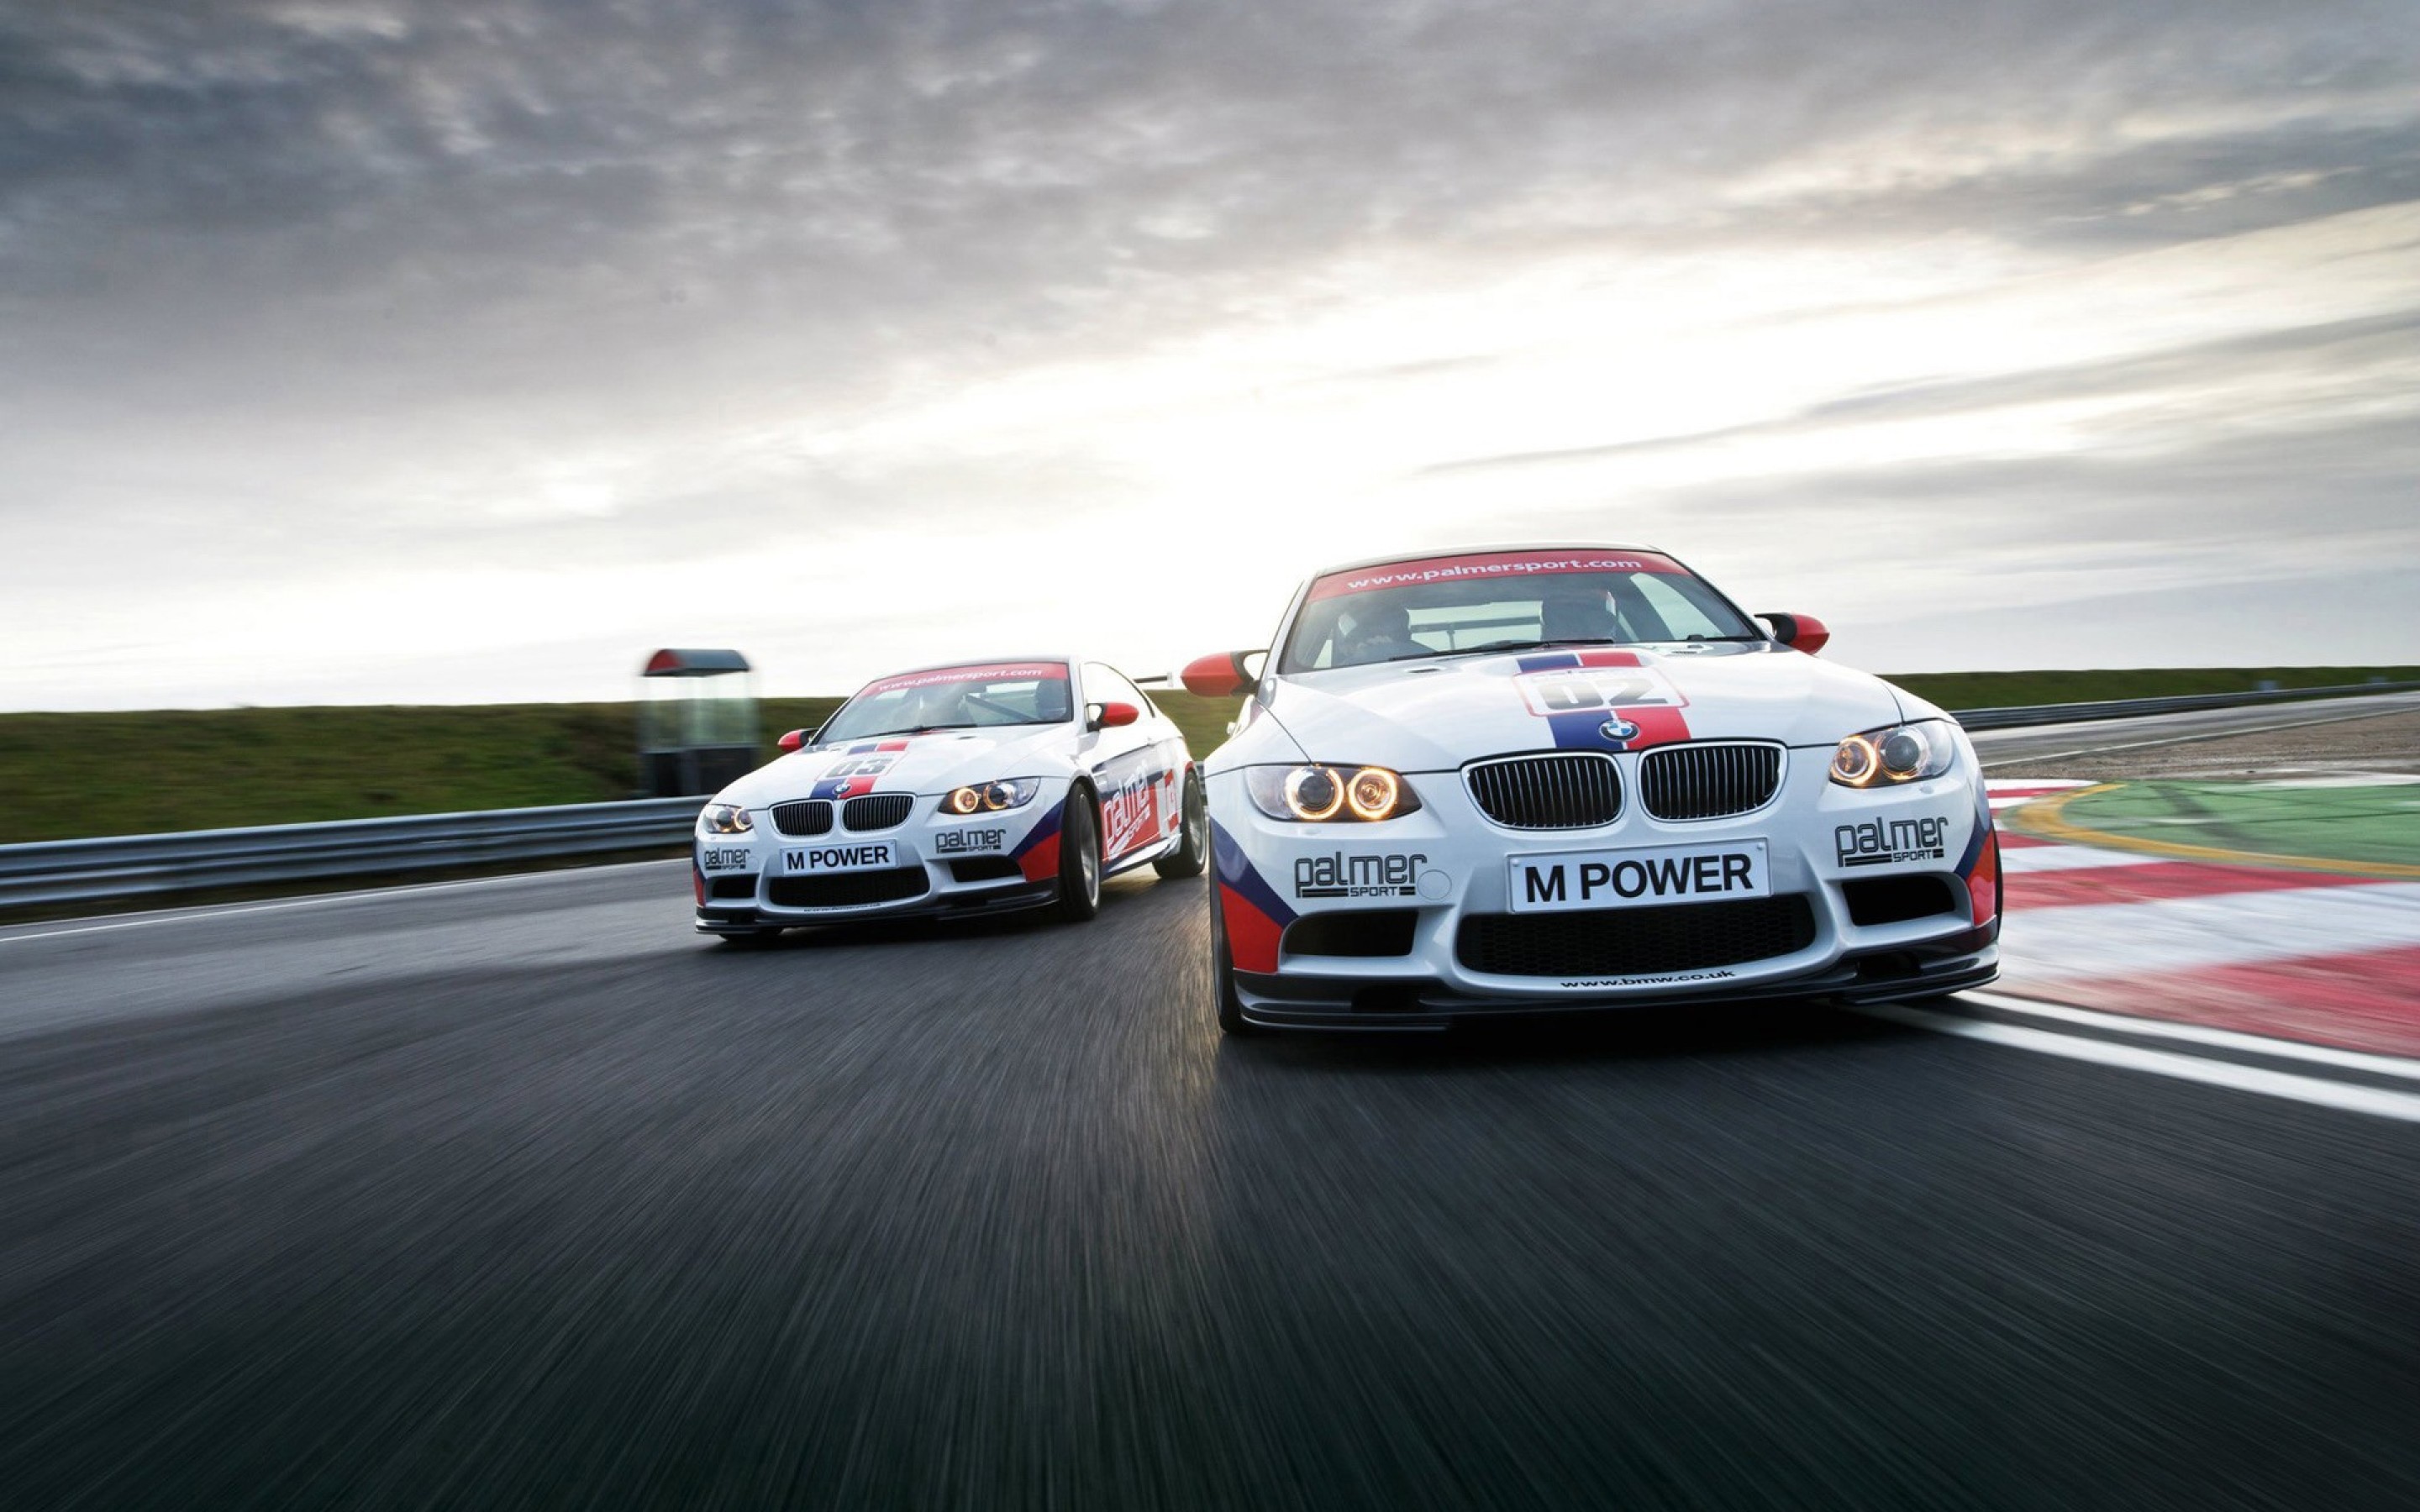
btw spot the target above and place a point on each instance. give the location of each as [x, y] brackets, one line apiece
[1251, 935]
[2366, 1000]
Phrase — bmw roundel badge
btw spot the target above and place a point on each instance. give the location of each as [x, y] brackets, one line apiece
[1616, 727]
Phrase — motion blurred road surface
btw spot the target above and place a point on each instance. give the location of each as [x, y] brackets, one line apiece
[517, 1192]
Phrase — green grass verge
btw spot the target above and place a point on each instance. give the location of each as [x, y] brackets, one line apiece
[2366, 825]
[63, 776]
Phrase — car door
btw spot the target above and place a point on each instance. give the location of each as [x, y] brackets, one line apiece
[1130, 766]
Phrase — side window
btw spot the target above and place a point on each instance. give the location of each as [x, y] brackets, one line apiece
[1682, 618]
[1104, 685]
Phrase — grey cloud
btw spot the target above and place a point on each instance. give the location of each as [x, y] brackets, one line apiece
[2338, 493]
[261, 258]
[2380, 344]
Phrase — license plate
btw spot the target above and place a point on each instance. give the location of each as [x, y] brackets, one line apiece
[856, 856]
[1635, 878]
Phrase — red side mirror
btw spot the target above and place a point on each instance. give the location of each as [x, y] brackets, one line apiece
[793, 740]
[1799, 632]
[1114, 714]
[1220, 675]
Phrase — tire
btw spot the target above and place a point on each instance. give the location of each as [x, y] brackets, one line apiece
[1079, 859]
[1222, 977]
[1188, 856]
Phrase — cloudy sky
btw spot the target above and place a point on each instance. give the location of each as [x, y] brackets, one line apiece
[391, 351]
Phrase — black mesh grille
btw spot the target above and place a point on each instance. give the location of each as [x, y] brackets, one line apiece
[1575, 791]
[1894, 899]
[1368, 932]
[986, 869]
[1702, 779]
[846, 890]
[1631, 942]
[730, 887]
[880, 811]
[808, 816]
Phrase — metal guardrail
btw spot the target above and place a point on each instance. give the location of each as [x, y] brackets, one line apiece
[130, 866]
[2037, 714]
[52, 872]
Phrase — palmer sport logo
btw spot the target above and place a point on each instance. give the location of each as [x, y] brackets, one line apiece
[1357, 877]
[1891, 842]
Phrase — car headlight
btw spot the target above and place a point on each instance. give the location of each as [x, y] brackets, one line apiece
[724, 819]
[1895, 754]
[990, 797]
[1329, 795]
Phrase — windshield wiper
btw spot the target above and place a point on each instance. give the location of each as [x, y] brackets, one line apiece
[911, 730]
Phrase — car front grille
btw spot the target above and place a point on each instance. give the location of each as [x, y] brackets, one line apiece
[808, 816]
[1632, 942]
[846, 890]
[1580, 791]
[878, 811]
[1706, 779]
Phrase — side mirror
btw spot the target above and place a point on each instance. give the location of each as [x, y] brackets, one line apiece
[1799, 632]
[1222, 674]
[1114, 714]
[793, 740]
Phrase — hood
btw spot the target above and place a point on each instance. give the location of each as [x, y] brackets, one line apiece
[905, 763]
[1433, 716]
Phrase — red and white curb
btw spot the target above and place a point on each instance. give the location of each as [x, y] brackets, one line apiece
[2293, 983]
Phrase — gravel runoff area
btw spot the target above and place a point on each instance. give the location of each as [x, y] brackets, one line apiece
[2385, 744]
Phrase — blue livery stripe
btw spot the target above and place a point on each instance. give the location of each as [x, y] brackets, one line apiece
[1236, 872]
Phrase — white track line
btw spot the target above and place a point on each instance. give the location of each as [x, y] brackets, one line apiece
[181, 915]
[2317, 1091]
[2196, 1034]
[2218, 929]
[2071, 858]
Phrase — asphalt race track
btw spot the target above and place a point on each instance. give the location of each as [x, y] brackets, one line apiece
[517, 1192]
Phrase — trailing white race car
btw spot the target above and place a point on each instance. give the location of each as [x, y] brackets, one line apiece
[1545, 778]
[973, 788]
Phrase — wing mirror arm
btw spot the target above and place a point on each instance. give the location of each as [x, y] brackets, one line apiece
[1799, 632]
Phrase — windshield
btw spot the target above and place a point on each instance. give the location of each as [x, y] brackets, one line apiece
[954, 698]
[1443, 606]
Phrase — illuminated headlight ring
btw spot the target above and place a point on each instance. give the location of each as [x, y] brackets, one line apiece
[990, 797]
[724, 819]
[1896, 754]
[1329, 795]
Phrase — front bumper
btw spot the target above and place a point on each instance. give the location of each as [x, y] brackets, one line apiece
[929, 864]
[1410, 948]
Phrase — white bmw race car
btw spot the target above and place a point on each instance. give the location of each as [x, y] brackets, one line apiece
[973, 788]
[1556, 778]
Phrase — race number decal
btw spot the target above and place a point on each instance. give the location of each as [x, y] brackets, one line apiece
[1595, 689]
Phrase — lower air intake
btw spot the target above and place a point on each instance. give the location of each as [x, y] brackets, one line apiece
[846, 890]
[1635, 942]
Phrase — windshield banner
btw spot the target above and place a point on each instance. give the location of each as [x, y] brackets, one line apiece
[1493, 564]
[989, 671]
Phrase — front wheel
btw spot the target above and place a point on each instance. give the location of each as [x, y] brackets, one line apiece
[1080, 859]
[1185, 860]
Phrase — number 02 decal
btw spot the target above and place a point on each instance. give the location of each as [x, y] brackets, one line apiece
[1588, 689]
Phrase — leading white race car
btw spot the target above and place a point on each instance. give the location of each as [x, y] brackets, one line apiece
[973, 788]
[1543, 779]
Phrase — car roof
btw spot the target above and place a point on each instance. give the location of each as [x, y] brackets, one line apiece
[978, 662]
[1487, 550]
